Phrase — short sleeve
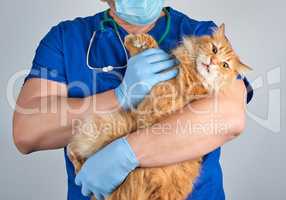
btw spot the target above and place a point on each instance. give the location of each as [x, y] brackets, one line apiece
[48, 62]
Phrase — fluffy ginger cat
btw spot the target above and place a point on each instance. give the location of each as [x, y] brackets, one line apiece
[207, 64]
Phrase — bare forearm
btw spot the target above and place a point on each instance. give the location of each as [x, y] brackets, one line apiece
[49, 125]
[189, 135]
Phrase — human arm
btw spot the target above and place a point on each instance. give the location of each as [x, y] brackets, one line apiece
[159, 146]
[47, 122]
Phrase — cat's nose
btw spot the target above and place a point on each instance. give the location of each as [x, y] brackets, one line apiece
[214, 61]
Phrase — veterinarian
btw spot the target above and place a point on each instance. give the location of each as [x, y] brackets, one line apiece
[72, 79]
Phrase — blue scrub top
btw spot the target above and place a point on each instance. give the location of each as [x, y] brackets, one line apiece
[61, 57]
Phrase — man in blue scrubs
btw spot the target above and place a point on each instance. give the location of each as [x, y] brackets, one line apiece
[60, 65]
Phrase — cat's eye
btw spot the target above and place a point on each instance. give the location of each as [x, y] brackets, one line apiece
[225, 65]
[215, 50]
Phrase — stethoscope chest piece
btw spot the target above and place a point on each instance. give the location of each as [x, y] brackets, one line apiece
[107, 69]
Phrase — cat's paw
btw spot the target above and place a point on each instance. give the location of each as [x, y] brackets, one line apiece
[75, 158]
[139, 43]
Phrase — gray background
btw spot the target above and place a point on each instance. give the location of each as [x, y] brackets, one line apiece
[254, 164]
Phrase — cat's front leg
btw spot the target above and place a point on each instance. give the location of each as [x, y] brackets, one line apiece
[138, 43]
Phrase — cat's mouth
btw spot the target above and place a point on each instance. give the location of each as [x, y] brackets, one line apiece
[207, 67]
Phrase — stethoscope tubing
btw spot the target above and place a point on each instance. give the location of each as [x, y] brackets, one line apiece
[106, 68]
[110, 68]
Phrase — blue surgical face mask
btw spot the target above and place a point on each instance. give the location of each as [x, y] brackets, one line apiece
[139, 12]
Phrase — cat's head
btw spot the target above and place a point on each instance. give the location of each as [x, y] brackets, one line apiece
[216, 61]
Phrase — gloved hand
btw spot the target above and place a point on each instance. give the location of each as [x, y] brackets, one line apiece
[143, 72]
[103, 172]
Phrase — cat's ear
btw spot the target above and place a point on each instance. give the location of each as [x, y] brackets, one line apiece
[243, 68]
[220, 31]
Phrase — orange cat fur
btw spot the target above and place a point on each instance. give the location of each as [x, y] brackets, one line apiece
[207, 64]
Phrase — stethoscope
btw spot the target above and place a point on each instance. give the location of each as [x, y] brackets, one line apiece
[107, 19]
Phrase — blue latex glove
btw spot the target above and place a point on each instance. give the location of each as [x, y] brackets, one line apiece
[103, 172]
[143, 72]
